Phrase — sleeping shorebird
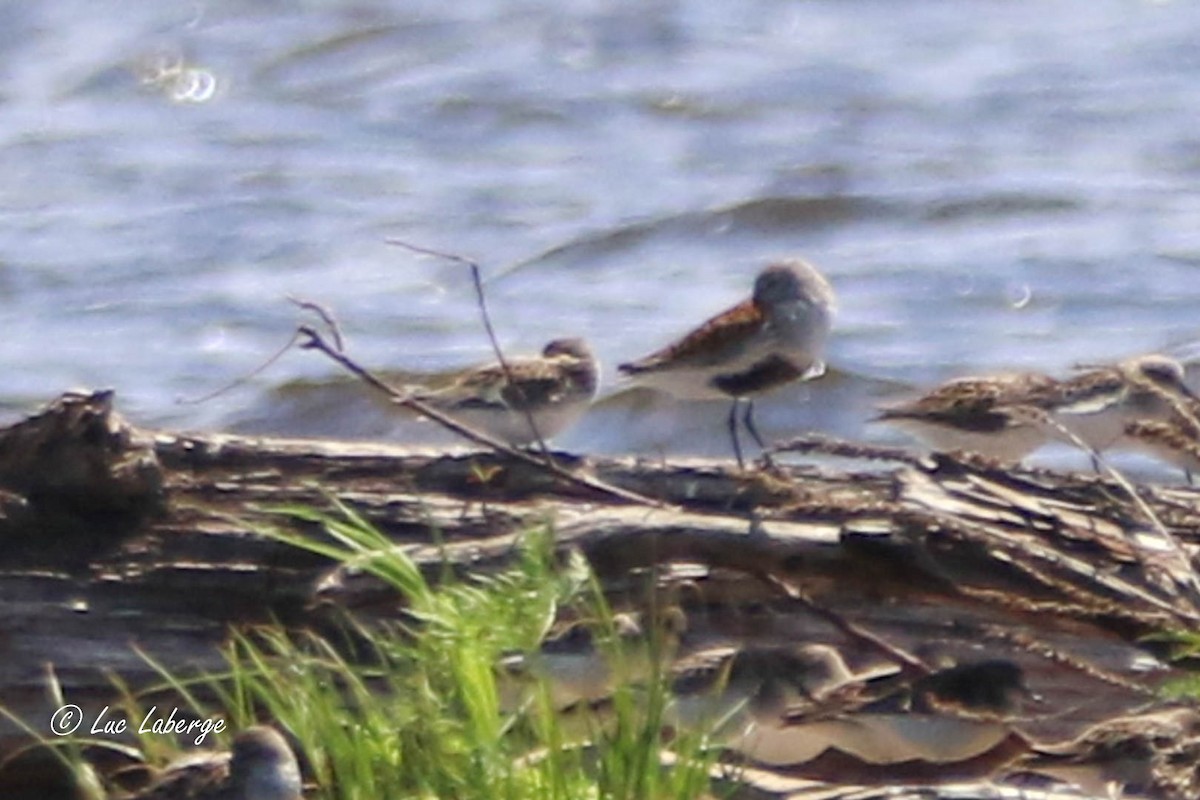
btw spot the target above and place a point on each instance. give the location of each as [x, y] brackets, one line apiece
[260, 767]
[980, 415]
[775, 337]
[556, 388]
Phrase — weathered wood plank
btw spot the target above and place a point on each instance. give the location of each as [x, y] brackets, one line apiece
[116, 538]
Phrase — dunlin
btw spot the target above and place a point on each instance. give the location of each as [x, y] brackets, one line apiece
[261, 767]
[775, 337]
[585, 662]
[981, 415]
[556, 388]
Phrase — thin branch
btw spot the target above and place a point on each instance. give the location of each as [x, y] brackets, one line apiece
[908, 662]
[312, 340]
[204, 398]
[326, 316]
[481, 301]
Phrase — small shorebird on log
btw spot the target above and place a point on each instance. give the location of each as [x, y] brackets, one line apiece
[1006, 417]
[775, 337]
[1097, 405]
[980, 415]
[261, 767]
[554, 388]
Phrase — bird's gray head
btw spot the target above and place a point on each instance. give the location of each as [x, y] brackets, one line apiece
[574, 347]
[791, 281]
[1162, 372]
[264, 766]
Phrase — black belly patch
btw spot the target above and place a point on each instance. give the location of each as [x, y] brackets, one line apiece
[766, 374]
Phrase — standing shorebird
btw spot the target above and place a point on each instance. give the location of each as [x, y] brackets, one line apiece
[1173, 437]
[554, 388]
[775, 337]
[1097, 405]
[1009, 416]
[981, 415]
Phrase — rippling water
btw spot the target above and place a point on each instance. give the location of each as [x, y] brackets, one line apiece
[988, 185]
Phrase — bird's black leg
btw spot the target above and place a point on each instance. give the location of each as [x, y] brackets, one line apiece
[748, 418]
[1188, 474]
[733, 434]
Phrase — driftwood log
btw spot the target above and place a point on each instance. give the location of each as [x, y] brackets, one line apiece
[120, 543]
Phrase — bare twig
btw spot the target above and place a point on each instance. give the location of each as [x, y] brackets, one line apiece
[326, 316]
[308, 305]
[312, 340]
[907, 662]
[481, 301]
[204, 398]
